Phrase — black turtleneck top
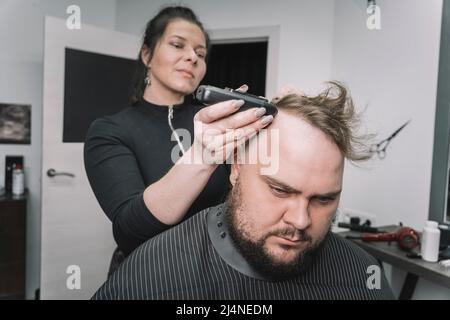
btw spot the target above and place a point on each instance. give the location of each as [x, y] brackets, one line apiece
[125, 153]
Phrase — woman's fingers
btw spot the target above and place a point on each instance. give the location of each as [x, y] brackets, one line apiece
[239, 135]
[220, 115]
[241, 119]
[224, 152]
[220, 129]
[218, 111]
[243, 88]
[228, 137]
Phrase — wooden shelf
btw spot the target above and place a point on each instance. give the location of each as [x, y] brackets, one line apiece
[12, 246]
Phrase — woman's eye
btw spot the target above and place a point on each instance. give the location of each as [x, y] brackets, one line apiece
[176, 45]
[201, 55]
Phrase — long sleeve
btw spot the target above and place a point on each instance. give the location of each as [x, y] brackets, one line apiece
[125, 153]
[118, 185]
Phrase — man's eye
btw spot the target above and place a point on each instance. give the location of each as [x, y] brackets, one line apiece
[278, 191]
[324, 200]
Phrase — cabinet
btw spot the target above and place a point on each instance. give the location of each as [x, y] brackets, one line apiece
[12, 246]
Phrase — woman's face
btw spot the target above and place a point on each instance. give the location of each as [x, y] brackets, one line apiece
[178, 63]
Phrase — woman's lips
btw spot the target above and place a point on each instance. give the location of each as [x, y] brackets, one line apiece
[186, 73]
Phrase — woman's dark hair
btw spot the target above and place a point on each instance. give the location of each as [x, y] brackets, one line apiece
[153, 33]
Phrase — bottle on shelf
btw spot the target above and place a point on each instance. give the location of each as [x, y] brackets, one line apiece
[18, 180]
[430, 242]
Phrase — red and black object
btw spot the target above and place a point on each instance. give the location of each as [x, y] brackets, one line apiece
[407, 238]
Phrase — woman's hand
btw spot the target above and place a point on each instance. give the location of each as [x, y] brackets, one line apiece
[219, 129]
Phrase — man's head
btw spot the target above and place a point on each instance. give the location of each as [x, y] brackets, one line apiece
[278, 221]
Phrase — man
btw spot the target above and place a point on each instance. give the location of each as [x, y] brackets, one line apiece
[271, 239]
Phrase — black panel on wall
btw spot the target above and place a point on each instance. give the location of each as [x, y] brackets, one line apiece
[234, 64]
[95, 85]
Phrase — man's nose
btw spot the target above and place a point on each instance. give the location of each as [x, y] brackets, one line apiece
[298, 214]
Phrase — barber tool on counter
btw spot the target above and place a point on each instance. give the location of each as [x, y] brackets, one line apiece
[407, 238]
[355, 225]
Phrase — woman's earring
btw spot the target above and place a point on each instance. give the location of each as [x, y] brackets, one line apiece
[147, 79]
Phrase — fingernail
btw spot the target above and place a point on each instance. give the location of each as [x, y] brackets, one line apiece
[238, 134]
[260, 112]
[244, 87]
[266, 120]
[238, 103]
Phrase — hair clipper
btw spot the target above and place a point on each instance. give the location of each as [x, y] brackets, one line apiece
[210, 95]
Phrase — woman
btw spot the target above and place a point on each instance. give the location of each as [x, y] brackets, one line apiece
[129, 159]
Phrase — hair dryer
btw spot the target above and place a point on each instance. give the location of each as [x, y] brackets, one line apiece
[407, 238]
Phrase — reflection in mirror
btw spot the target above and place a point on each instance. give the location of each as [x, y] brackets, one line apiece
[439, 194]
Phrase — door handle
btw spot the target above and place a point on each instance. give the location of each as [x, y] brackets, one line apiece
[52, 173]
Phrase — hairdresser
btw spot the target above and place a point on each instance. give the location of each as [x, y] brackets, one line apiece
[129, 157]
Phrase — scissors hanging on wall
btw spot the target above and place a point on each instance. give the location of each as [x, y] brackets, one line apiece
[380, 147]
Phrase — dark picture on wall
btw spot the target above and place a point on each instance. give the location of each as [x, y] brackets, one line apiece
[15, 123]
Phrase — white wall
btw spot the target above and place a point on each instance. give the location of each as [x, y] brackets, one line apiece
[392, 71]
[21, 74]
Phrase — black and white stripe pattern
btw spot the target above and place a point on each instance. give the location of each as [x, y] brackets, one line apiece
[181, 263]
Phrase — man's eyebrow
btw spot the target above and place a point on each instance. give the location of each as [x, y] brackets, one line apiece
[332, 194]
[184, 39]
[290, 189]
[280, 184]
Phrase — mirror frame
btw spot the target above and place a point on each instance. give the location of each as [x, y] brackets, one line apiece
[440, 171]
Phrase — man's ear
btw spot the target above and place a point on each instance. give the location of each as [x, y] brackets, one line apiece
[235, 171]
[145, 55]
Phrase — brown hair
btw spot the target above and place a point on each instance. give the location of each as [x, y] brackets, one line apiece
[333, 112]
[153, 33]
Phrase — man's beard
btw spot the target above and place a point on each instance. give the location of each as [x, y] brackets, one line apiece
[254, 251]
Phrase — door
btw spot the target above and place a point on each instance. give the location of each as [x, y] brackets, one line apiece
[76, 236]
[235, 63]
